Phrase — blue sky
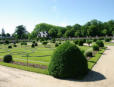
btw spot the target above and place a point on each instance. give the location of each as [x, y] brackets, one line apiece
[57, 12]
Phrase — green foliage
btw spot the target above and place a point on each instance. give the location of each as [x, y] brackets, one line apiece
[33, 46]
[76, 41]
[44, 43]
[94, 40]
[89, 53]
[20, 32]
[24, 43]
[95, 47]
[100, 43]
[107, 39]
[7, 58]
[10, 47]
[68, 62]
[33, 42]
[6, 42]
[15, 45]
[89, 42]
[56, 44]
[53, 40]
[101, 38]
[80, 42]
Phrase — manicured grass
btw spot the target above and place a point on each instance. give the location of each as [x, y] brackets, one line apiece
[19, 54]
[109, 44]
[31, 69]
[94, 59]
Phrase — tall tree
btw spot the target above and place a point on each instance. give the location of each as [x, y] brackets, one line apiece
[20, 32]
[3, 32]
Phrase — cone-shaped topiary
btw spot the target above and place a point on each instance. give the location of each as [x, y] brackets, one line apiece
[68, 62]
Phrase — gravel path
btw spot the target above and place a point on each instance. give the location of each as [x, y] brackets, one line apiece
[101, 76]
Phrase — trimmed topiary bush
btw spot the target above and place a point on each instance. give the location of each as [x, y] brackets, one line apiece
[44, 43]
[15, 45]
[95, 47]
[89, 42]
[6, 42]
[9, 46]
[100, 43]
[24, 43]
[56, 44]
[7, 58]
[107, 39]
[33, 42]
[89, 53]
[94, 40]
[33, 46]
[76, 41]
[80, 42]
[68, 62]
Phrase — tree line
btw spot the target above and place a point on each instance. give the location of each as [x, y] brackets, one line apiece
[92, 28]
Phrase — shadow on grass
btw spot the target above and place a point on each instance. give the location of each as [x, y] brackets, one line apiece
[92, 76]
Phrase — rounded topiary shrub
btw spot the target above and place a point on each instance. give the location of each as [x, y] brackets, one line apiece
[9, 46]
[32, 45]
[89, 53]
[15, 45]
[89, 42]
[100, 43]
[24, 43]
[56, 44]
[6, 42]
[95, 47]
[7, 58]
[94, 40]
[76, 41]
[35, 44]
[80, 42]
[68, 62]
[107, 39]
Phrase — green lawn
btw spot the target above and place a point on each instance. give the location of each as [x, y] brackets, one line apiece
[38, 55]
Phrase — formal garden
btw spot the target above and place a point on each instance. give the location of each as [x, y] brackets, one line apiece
[54, 57]
[63, 52]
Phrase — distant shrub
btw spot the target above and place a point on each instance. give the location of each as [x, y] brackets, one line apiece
[33, 46]
[56, 44]
[80, 42]
[107, 39]
[15, 45]
[24, 43]
[76, 41]
[100, 43]
[7, 58]
[68, 62]
[6, 42]
[94, 40]
[9, 46]
[89, 53]
[53, 40]
[44, 43]
[33, 42]
[59, 42]
[95, 47]
[89, 42]
[83, 40]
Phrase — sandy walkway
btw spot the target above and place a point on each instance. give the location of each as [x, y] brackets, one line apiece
[101, 76]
